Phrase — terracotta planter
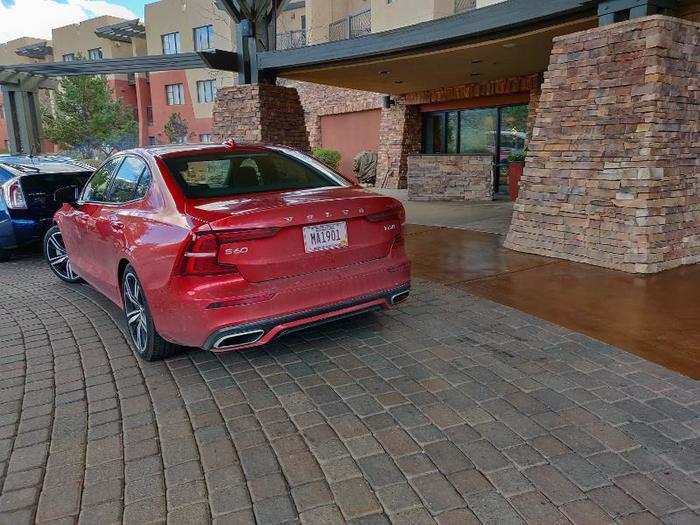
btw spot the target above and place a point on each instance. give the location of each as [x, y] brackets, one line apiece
[515, 171]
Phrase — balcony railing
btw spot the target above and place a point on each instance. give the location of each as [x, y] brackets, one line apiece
[351, 26]
[464, 5]
[291, 39]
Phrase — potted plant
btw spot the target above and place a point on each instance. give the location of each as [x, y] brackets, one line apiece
[516, 163]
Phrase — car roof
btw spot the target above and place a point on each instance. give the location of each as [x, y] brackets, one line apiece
[176, 150]
[28, 165]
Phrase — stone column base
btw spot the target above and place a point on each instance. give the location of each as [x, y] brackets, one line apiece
[260, 113]
[613, 173]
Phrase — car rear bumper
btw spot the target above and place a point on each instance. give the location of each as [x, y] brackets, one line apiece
[265, 330]
[201, 313]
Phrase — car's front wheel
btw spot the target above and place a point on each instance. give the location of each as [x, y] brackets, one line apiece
[57, 256]
[144, 337]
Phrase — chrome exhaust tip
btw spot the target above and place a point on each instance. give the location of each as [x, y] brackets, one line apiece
[239, 339]
[399, 297]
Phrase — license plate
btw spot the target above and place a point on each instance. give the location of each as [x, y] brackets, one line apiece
[325, 237]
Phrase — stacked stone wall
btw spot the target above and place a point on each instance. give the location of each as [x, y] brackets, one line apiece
[612, 177]
[450, 178]
[260, 113]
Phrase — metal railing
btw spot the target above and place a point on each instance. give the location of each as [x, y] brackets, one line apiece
[351, 26]
[464, 5]
[291, 39]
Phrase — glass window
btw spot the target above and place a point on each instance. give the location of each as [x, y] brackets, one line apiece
[477, 131]
[69, 57]
[513, 129]
[203, 38]
[96, 188]
[228, 174]
[171, 43]
[174, 94]
[127, 178]
[144, 184]
[205, 137]
[95, 54]
[152, 141]
[206, 90]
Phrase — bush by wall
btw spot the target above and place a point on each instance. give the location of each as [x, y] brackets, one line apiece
[330, 157]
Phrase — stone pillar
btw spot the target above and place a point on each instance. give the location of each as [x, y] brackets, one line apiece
[612, 175]
[399, 137]
[260, 113]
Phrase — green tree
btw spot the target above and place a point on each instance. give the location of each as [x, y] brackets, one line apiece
[176, 128]
[88, 118]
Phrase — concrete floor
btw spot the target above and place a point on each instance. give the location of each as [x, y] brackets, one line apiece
[654, 316]
[490, 217]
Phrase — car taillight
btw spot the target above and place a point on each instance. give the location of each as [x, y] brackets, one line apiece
[14, 196]
[202, 256]
[394, 214]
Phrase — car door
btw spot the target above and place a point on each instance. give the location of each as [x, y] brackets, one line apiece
[117, 218]
[79, 225]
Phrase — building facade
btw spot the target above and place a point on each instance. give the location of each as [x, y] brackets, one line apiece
[88, 40]
[174, 26]
[24, 50]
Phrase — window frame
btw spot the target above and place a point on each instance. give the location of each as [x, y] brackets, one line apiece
[203, 84]
[99, 52]
[176, 41]
[181, 94]
[201, 135]
[64, 58]
[209, 31]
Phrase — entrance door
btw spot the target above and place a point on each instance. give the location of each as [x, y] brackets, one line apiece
[513, 131]
[351, 133]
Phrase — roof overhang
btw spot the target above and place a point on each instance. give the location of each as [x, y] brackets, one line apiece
[122, 31]
[225, 60]
[502, 40]
[38, 50]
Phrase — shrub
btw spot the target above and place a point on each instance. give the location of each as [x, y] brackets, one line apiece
[517, 155]
[329, 157]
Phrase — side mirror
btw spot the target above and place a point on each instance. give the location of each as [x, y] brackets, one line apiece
[66, 195]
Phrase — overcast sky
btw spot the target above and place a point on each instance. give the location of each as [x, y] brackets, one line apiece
[37, 17]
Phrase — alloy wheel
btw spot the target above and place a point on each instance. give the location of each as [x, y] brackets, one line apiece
[58, 257]
[136, 312]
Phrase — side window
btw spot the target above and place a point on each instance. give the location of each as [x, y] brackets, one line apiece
[96, 188]
[126, 180]
[144, 183]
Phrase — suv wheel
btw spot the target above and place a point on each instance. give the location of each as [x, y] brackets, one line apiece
[142, 332]
[57, 257]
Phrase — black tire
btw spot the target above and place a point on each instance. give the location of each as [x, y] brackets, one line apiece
[144, 339]
[57, 257]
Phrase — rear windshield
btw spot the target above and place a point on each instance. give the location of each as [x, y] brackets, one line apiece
[225, 174]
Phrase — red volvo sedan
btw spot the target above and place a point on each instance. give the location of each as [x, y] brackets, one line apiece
[228, 246]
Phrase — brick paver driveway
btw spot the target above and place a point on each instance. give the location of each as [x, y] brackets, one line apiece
[450, 408]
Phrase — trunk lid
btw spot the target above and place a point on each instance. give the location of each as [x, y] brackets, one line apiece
[39, 188]
[280, 217]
